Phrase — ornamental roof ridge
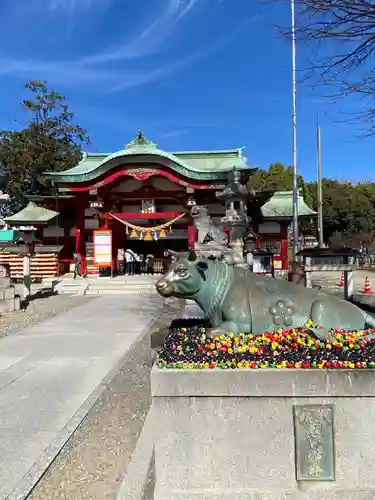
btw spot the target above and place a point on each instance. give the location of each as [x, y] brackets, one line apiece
[141, 141]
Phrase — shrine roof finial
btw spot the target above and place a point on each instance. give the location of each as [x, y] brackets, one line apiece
[140, 142]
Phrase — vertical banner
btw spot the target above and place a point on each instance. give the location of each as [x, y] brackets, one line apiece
[103, 248]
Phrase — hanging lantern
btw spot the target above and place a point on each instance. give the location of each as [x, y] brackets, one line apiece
[148, 237]
[133, 234]
[162, 234]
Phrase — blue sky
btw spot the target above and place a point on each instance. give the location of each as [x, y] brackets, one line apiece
[193, 74]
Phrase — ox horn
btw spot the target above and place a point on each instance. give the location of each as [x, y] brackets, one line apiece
[192, 255]
[172, 252]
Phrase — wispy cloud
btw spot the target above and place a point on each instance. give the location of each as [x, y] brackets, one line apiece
[169, 134]
[99, 68]
[63, 6]
[151, 38]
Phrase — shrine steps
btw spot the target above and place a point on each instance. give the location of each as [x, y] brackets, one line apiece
[119, 285]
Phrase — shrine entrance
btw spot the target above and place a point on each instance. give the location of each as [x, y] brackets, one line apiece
[147, 239]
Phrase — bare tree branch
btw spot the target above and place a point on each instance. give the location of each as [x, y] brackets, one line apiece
[345, 30]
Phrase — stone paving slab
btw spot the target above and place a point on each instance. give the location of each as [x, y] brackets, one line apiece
[49, 371]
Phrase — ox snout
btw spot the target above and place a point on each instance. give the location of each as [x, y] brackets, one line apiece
[164, 288]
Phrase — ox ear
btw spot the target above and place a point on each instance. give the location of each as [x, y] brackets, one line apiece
[192, 256]
[202, 266]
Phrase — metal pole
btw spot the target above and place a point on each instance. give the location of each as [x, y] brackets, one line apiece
[320, 196]
[294, 120]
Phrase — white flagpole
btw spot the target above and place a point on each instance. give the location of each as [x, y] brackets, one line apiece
[294, 121]
[320, 194]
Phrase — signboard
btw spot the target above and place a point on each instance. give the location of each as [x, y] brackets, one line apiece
[103, 247]
[96, 204]
[327, 261]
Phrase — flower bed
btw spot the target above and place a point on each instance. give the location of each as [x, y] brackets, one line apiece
[191, 348]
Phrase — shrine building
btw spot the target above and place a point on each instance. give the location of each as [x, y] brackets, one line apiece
[141, 196]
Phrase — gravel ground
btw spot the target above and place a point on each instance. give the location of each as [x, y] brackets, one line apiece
[39, 309]
[92, 463]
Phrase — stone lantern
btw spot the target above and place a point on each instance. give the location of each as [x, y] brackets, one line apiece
[235, 197]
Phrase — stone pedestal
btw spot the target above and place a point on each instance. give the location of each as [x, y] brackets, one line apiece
[264, 434]
[9, 300]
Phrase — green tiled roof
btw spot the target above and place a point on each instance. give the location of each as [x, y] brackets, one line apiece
[32, 214]
[205, 165]
[281, 205]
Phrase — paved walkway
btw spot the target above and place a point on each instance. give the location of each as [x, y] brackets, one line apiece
[47, 374]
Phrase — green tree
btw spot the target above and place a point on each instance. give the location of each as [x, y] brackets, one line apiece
[277, 178]
[50, 142]
[348, 209]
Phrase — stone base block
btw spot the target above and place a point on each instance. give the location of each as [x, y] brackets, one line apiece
[272, 495]
[264, 434]
[7, 293]
[10, 305]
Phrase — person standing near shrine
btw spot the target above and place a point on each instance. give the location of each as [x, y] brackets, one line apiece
[121, 260]
[77, 260]
[130, 261]
[150, 264]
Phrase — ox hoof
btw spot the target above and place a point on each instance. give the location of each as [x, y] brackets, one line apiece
[321, 334]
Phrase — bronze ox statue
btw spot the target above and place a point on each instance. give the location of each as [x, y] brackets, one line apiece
[236, 300]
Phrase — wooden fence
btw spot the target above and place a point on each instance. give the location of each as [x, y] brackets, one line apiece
[42, 265]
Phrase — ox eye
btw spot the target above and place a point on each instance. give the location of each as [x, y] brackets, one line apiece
[181, 271]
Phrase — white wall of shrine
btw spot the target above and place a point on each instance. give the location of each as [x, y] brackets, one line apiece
[269, 227]
[53, 232]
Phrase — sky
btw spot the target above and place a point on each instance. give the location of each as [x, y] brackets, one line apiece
[192, 74]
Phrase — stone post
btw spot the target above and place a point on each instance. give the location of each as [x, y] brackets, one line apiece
[26, 276]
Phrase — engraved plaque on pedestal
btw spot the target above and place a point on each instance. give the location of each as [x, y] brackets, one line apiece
[314, 443]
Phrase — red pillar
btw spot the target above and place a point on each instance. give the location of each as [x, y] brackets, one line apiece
[284, 247]
[80, 236]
